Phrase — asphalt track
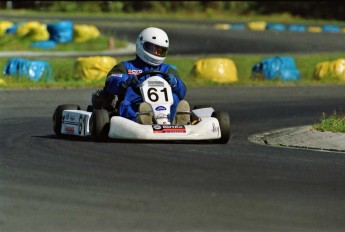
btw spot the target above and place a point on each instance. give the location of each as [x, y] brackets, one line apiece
[52, 184]
[200, 37]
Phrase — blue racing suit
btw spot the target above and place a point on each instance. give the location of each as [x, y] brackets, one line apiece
[130, 98]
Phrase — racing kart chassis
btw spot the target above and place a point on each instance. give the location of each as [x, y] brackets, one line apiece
[100, 124]
[207, 124]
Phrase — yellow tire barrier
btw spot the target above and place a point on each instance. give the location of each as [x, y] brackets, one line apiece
[314, 29]
[330, 69]
[33, 30]
[220, 70]
[82, 33]
[4, 25]
[257, 26]
[93, 68]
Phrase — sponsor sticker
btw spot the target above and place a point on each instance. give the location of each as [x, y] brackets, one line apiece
[134, 72]
[159, 116]
[69, 117]
[169, 129]
[69, 129]
[160, 108]
[116, 75]
[156, 83]
[215, 129]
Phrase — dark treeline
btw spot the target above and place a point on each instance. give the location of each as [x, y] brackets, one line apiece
[305, 9]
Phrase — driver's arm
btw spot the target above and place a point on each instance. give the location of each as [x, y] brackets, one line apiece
[179, 89]
[115, 78]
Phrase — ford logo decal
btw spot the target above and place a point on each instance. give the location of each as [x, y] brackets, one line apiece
[159, 108]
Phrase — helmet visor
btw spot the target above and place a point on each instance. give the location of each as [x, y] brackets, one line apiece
[155, 49]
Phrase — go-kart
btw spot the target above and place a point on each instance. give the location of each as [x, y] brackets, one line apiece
[206, 124]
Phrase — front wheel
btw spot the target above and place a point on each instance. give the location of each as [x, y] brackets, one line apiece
[224, 124]
[99, 125]
[57, 116]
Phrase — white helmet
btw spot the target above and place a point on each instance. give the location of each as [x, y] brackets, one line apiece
[152, 45]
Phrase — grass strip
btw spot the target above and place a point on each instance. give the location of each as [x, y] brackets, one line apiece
[333, 123]
[64, 73]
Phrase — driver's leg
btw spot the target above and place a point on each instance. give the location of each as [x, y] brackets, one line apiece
[145, 114]
[183, 113]
[180, 111]
[126, 110]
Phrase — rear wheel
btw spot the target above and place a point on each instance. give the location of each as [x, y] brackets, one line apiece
[99, 125]
[57, 116]
[224, 124]
[90, 108]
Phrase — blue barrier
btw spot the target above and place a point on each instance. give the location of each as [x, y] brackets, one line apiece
[280, 67]
[12, 66]
[331, 28]
[275, 27]
[238, 26]
[13, 28]
[48, 44]
[34, 69]
[282, 27]
[297, 27]
[61, 32]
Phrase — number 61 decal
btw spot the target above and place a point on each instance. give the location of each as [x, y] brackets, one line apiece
[157, 91]
[157, 95]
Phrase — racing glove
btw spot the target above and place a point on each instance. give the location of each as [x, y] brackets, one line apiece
[132, 80]
[172, 80]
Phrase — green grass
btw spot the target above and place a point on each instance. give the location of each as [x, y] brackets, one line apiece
[64, 73]
[333, 123]
[10, 42]
[305, 63]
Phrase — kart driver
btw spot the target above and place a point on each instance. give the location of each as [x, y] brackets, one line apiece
[151, 50]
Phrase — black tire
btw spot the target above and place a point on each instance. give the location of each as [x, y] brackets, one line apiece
[99, 125]
[90, 108]
[224, 124]
[57, 116]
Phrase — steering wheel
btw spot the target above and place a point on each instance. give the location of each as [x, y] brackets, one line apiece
[154, 72]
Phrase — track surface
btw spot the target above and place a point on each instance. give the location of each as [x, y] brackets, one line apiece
[51, 184]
